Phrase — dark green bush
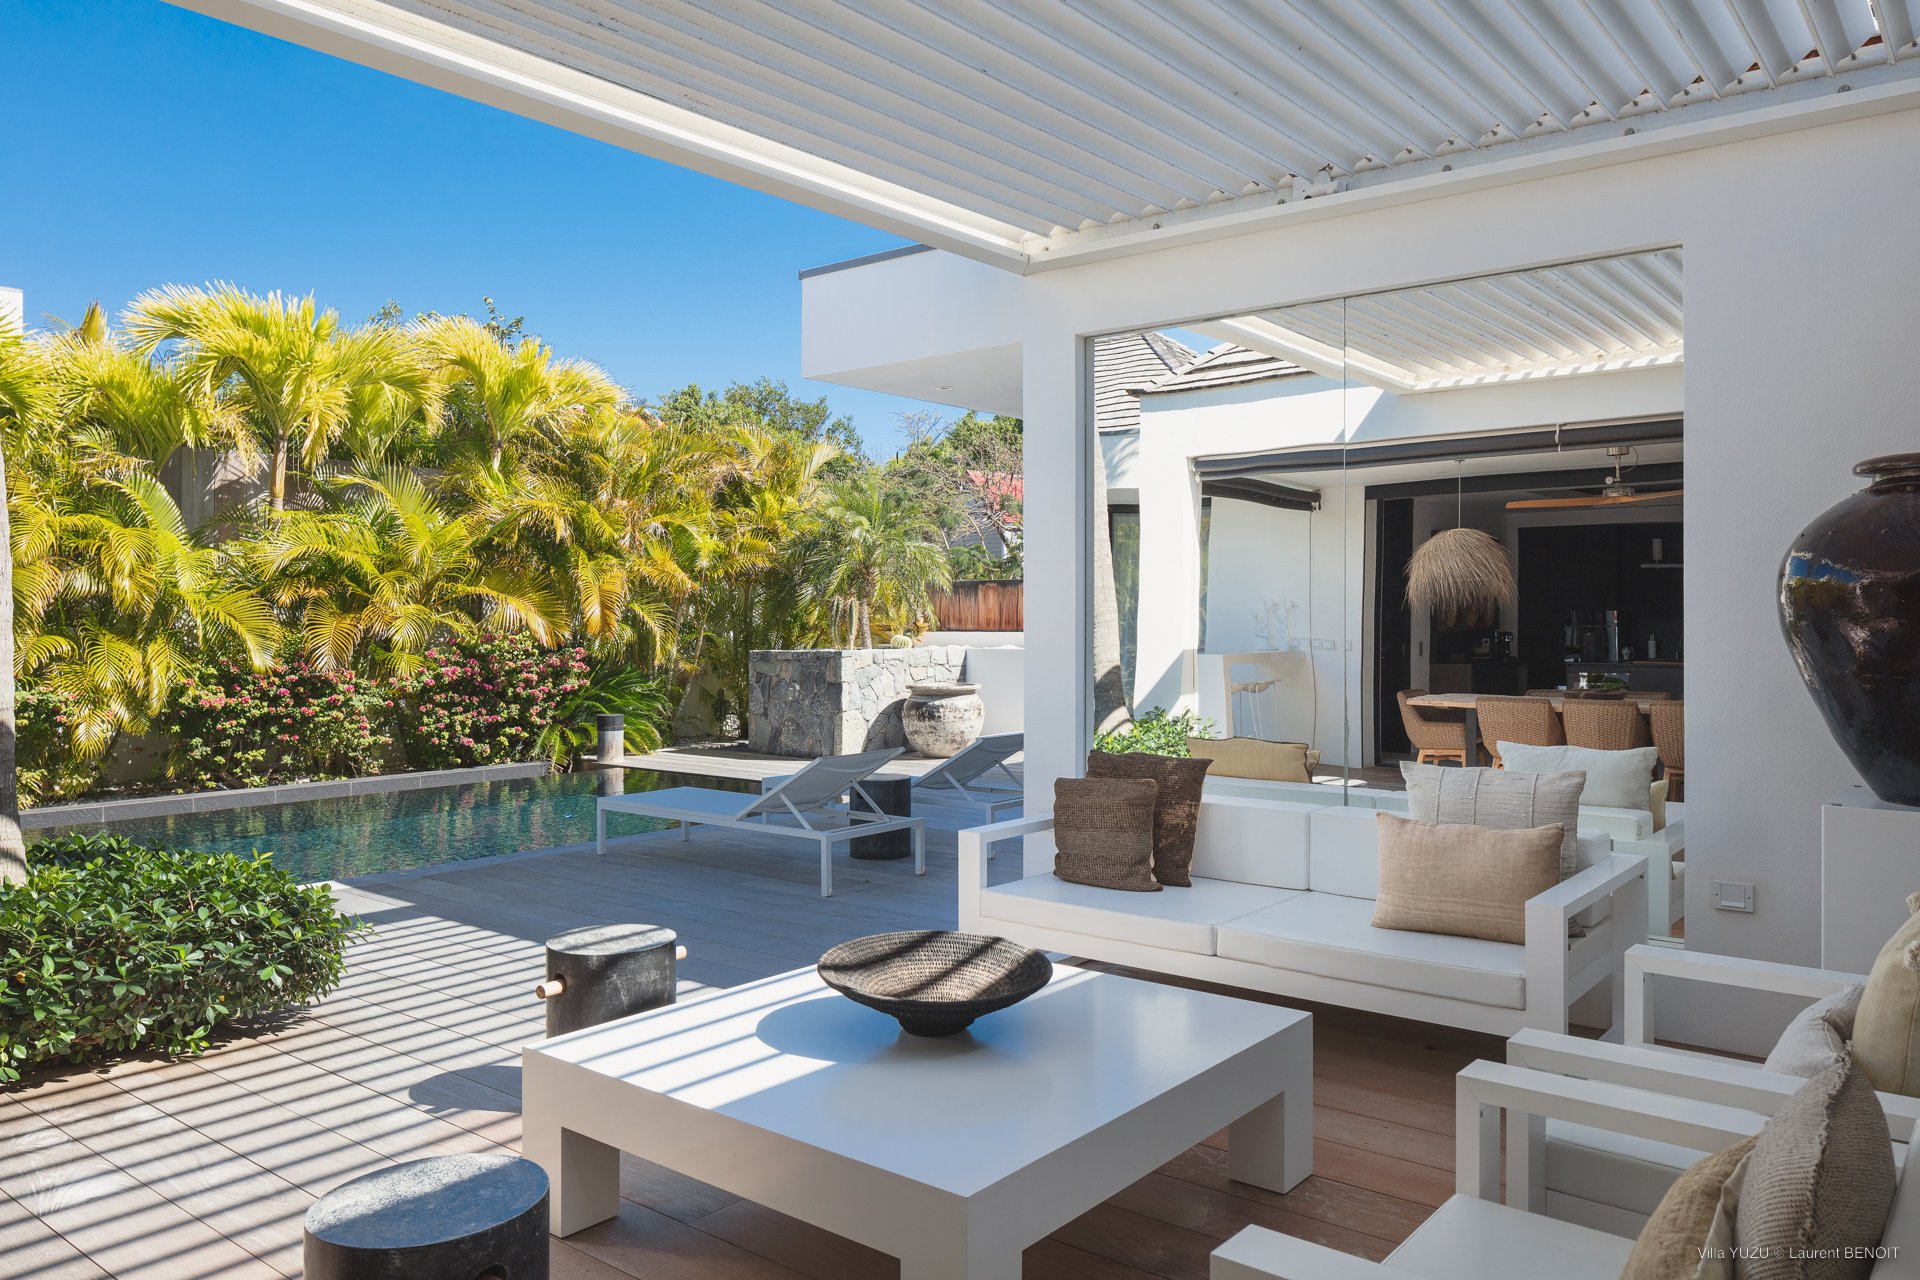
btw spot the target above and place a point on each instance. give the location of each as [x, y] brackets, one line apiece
[109, 947]
[1156, 733]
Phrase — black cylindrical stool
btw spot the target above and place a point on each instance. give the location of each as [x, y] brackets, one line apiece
[610, 732]
[445, 1218]
[893, 793]
[608, 971]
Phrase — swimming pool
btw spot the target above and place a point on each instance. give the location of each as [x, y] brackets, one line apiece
[394, 830]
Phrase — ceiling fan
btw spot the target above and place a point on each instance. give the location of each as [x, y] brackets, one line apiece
[1616, 492]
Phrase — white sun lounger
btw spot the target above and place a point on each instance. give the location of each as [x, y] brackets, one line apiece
[805, 806]
[968, 774]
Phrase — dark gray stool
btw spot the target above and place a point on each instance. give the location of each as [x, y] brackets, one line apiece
[893, 792]
[445, 1218]
[608, 971]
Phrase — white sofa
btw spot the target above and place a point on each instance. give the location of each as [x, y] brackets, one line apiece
[1282, 901]
[1631, 831]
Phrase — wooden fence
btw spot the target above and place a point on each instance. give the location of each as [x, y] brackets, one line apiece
[981, 606]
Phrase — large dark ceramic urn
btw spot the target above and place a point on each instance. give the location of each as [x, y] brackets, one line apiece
[1850, 607]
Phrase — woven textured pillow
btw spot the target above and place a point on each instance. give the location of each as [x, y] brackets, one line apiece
[1176, 814]
[1473, 882]
[1669, 1246]
[1817, 1033]
[1820, 1181]
[1497, 798]
[1886, 1030]
[1103, 832]
[1256, 758]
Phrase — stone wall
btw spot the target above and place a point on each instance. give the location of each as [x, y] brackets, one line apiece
[829, 702]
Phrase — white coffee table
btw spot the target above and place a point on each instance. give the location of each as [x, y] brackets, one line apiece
[953, 1154]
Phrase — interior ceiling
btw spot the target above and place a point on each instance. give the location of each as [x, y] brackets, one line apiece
[1582, 317]
[995, 125]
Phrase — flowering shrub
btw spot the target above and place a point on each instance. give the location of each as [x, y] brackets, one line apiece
[484, 701]
[234, 727]
[47, 770]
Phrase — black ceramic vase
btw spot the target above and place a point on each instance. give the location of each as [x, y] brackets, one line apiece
[1850, 608]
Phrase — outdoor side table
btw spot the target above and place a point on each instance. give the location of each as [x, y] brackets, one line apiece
[893, 792]
[443, 1218]
[608, 971]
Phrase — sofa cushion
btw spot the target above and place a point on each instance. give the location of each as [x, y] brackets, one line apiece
[1886, 1027]
[1324, 933]
[1615, 779]
[1817, 1035]
[1346, 851]
[1103, 832]
[1468, 881]
[1506, 800]
[1257, 758]
[1181, 921]
[1176, 810]
[1673, 1243]
[1253, 841]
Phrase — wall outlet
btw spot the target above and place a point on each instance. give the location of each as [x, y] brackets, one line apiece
[1730, 895]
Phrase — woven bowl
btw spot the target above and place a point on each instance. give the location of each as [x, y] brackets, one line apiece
[934, 982]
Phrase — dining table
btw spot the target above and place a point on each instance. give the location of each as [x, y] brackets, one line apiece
[1469, 704]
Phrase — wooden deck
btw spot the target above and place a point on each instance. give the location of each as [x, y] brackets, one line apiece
[202, 1169]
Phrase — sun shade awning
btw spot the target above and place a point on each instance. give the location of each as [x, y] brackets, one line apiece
[1022, 131]
[1261, 466]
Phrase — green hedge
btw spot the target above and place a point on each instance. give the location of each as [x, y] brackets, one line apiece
[109, 947]
[1156, 733]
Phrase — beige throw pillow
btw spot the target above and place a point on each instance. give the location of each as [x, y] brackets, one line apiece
[1657, 803]
[1103, 832]
[1176, 810]
[1817, 1034]
[1886, 1031]
[1256, 758]
[1470, 881]
[1819, 1183]
[1503, 799]
[1670, 1245]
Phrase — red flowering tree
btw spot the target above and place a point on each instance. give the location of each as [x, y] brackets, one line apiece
[483, 701]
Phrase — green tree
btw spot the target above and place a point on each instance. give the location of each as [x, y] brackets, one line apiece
[296, 377]
[874, 557]
[22, 406]
[505, 394]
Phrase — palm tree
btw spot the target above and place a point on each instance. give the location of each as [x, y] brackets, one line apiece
[509, 396]
[22, 403]
[387, 569]
[141, 410]
[875, 554]
[288, 368]
[121, 600]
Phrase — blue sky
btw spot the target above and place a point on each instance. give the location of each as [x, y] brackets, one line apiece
[151, 145]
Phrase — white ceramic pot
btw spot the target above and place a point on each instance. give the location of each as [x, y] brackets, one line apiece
[940, 719]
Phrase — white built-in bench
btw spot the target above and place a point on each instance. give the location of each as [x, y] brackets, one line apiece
[1282, 901]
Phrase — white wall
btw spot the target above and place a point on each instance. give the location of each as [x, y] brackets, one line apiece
[1802, 300]
[1001, 673]
[931, 326]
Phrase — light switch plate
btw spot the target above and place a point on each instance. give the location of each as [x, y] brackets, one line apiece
[1731, 895]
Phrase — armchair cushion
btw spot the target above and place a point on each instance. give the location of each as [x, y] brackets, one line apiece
[1669, 1248]
[1820, 1179]
[1176, 921]
[1499, 798]
[1103, 832]
[1176, 810]
[1469, 881]
[1886, 1031]
[1816, 1034]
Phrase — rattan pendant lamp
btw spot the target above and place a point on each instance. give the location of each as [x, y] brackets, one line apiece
[1461, 575]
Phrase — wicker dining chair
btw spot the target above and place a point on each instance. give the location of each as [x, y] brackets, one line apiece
[1668, 721]
[1532, 721]
[1606, 726]
[1437, 736]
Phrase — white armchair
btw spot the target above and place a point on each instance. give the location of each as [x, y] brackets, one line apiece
[1474, 1237]
[1607, 1180]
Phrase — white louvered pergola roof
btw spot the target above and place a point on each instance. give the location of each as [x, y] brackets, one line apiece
[1582, 317]
[1024, 131]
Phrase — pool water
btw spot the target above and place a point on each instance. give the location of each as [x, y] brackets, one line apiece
[394, 830]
